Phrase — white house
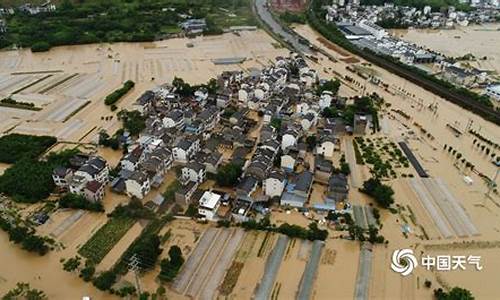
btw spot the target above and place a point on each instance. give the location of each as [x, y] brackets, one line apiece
[289, 139]
[326, 146]
[309, 120]
[62, 177]
[186, 149]
[208, 205]
[95, 168]
[174, 119]
[325, 100]
[245, 93]
[288, 161]
[138, 185]
[130, 161]
[274, 185]
[194, 171]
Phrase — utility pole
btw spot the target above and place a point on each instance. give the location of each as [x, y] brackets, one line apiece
[133, 266]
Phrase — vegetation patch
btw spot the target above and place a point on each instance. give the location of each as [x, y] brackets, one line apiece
[119, 93]
[25, 236]
[14, 147]
[231, 278]
[96, 248]
[30, 180]
[79, 202]
[9, 102]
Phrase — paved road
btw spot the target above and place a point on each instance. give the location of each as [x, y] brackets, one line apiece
[264, 14]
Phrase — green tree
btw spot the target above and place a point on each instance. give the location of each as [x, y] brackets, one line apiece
[24, 291]
[332, 85]
[105, 280]
[72, 264]
[228, 175]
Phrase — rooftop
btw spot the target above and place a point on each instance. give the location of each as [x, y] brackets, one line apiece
[209, 200]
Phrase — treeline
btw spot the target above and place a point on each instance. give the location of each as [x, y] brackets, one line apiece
[14, 147]
[112, 98]
[30, 180]
[290, 18]
[312, 232]
[94, 21]
[479, 104]
[25, 236]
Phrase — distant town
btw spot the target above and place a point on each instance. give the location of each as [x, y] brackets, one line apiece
[250, 149]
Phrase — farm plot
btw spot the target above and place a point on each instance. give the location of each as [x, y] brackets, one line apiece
[291, 270]
[46, 85]
[206, 266]
[450, 218]
[85, 88]
[355, 175]
[273, 263]
[247, 249]
[426, 200]
[38, 100]
[12, 83]
[307, 281]
[61, 110]
[96, 248]
[364, 271]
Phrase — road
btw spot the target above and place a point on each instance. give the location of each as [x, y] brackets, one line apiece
[265, 15]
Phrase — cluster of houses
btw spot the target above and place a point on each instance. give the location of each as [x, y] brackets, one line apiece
[259, 121]
[29, 8]
[362, 30]
[86, 176]
[404, 16]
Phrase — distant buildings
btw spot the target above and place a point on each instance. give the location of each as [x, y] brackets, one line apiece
[494, 92]
[194, 26]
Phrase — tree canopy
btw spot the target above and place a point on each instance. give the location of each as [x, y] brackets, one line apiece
[381, 193]
[228, 175]
[14, 147]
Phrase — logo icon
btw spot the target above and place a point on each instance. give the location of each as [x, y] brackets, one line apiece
[403, 261]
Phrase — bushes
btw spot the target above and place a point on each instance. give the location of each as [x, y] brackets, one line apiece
[294, 231]
[112, 98]
[133, 210]
[455, 293]
[40, 47]
[170, 267]
[14, 147]
[79, 202]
